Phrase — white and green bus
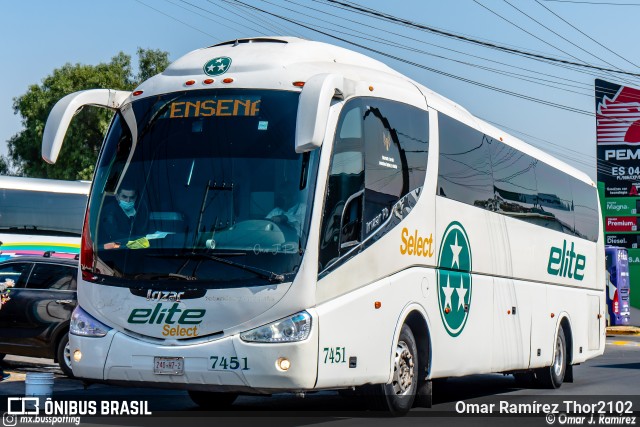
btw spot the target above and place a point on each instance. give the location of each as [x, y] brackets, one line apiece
[306, 218]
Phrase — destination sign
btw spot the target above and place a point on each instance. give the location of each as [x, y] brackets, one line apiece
[221, 107]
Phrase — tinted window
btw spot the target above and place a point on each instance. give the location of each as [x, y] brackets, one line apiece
[585, 206]
[465, 169]
[514, 180]
[396, 149]
[555, 200]
[346, 178]
[52, 276]
[42, 213]
[211, 171]
[384, 180]
[16, 271]
[479, 171]
[379, 156]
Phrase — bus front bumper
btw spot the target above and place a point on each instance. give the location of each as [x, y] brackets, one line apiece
[228, 364]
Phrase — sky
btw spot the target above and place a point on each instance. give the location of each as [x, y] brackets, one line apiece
[517, 94]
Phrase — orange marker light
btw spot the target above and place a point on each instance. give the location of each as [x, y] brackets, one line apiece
[138, 92]
[377, 304]
[553, 315]
[227, 80]
[298, 84]
[208, 81]
[190, 82]
[447, 310]
[370, 88]
[508, 311]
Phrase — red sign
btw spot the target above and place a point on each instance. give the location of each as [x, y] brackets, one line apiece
[621, 223]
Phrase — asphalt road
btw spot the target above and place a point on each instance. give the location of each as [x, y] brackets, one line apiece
[614, 377]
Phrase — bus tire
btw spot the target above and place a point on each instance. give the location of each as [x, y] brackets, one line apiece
[397, 397]
[553, 376]
[63, 355]
[212, 401]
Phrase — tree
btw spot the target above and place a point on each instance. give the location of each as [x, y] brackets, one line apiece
[86, 132]
[4, 166]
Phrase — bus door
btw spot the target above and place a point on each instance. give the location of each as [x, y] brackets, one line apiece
[511, 305]
[617, 266]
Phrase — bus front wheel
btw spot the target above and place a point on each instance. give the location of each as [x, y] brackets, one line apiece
[553, 376]
[212, 401]
[398, 396]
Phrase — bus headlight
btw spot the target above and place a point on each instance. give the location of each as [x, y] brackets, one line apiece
[290, 329]
[84, 325]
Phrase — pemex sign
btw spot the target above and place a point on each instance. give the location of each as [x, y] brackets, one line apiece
[618, 147]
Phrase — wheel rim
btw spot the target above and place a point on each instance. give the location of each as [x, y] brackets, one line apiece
[558, 363]
[67, 355]
[403, 370]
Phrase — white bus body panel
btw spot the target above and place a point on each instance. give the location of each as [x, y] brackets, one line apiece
[137, 362]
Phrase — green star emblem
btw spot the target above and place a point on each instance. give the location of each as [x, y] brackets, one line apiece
[217, 66]
[454, 279]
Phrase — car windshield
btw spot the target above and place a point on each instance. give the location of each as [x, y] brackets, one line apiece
[210, 190]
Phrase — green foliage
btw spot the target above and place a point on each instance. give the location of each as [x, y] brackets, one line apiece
[4, 166]
[86, 132]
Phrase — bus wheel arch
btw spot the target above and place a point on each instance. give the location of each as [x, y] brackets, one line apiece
[412, 335]
[560, 369]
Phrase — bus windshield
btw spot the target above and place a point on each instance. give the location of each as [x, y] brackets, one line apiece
[211, 190]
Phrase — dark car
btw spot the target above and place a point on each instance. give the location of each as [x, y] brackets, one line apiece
[35, 321]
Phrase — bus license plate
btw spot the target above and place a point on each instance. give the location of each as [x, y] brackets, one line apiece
[168, 365]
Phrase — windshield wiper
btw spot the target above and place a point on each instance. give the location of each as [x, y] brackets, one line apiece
[265, 274]
[170, 276]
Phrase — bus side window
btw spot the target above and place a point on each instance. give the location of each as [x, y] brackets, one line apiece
[379, 156]
[346, 178]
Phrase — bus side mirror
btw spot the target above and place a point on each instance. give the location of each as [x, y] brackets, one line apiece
[313, 109]
[64, 110]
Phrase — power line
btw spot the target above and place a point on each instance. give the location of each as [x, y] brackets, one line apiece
[392, 18]
[521, 77]
[533, 35]
[211, 13]
[586, 35]
[424, 67]
[569, 82]
[182, 22]
[268, 22]
[559, 35]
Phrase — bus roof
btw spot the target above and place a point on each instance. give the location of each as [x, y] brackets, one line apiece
[277, 62]
[44, 185]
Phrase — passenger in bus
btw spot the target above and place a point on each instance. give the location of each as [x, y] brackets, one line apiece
[123, 222]
[293, 216]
